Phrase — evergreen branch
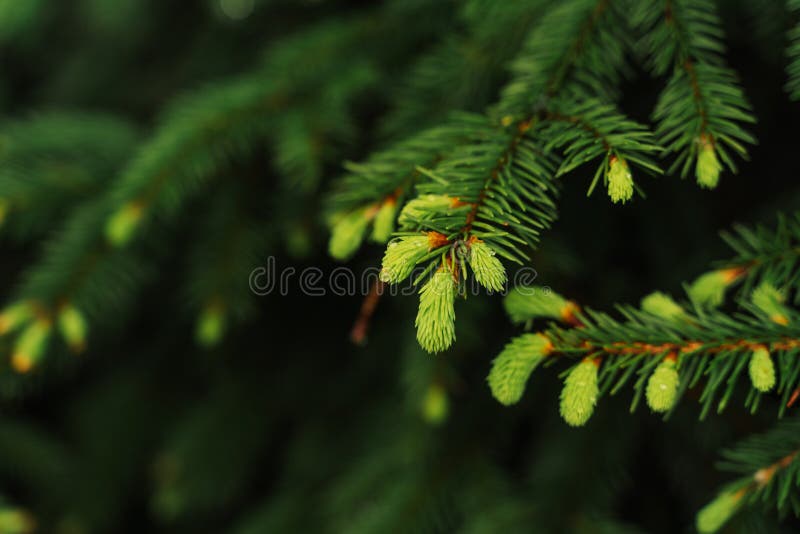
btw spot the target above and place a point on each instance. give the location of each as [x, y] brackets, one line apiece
[584, 131]
[202, 132]
[498, 184]
[715, 346]
[197, 138]
[396, 167]
[772, 471]
[80, 278]
[767, 254]
[371, 192]
[49, 162]
[460, 72]
[701, 111]
[303, 137]
[793, 52]
[514, 167]
[494, 193]
[555, 53]
[229, 242]
[667, 346]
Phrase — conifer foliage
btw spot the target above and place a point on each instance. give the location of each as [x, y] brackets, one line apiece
[497, 181]
[666, 347]
[155, 153]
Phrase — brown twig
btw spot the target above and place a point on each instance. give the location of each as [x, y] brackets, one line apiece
[358, 334]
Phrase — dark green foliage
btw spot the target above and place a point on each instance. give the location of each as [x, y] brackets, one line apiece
[769, 253]
[504, 178]
[712, 347]
[52, 161]
[702, 102]
[155, 153]
[711, 351]
[770, 467]
[793, 52]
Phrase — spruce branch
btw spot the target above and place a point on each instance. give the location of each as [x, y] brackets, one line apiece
[769, 464]
[52, 161]
[586, 130]
[559, 50]
[388, 175]
[226, 246]
[69, 288]
[667, 347]
[766, 253]
[793, 52]
[460, 71]
[702, 111]
[200, 136]
[203, 131]
[496, 188]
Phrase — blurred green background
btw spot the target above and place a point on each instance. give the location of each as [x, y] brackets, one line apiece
[286, 426]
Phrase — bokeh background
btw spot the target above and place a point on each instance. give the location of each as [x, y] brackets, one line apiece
[285, 425]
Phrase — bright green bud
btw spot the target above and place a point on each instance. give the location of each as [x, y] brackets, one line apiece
[489, 271]
[769, 300]
[532, 302]
[620, 180]
[435, 405]
[5, 206]
[30, 346]
[418, 208]
[662, 387]
[73, 327]
[709, 289]
[762, 370]
[436, 316]
[15, 316]
[401, 257]
[717, 512]
[579, 395]
[512, 368]
[708, 167]
[347, 234]
[383, 226]
[16, 521]
[122, 224]
[662, 305]
[210, 326]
